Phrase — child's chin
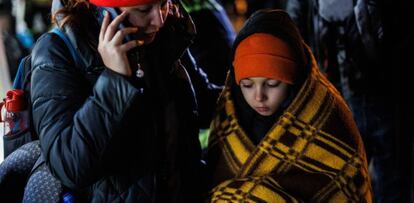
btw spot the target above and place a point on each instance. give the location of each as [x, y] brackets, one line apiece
[265, 113]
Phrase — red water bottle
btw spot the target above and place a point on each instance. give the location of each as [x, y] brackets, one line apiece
[14, 103]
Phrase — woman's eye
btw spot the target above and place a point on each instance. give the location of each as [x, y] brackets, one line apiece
[144, 9]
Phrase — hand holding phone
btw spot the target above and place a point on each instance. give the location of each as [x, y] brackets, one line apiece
[174, 10]
[113, 47]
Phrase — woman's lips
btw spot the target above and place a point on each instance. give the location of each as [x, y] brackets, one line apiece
[150, 35]
[147, 37]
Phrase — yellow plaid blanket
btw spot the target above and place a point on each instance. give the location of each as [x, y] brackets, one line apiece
[313, 153]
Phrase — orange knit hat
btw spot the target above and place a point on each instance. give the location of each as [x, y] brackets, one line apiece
[264, 55]
[121, 3]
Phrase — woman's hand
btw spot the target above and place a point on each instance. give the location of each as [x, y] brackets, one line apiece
[111, 49]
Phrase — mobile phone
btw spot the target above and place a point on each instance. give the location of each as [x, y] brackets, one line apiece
[114, 12]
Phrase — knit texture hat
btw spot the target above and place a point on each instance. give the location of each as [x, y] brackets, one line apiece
[264, 55]
[122, 3]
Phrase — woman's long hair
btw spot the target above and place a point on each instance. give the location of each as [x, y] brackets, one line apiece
[71, 12]
[80, 15]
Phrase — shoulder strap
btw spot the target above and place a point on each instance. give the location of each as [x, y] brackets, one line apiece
[18, 80]
[20, 76]
[73, 51]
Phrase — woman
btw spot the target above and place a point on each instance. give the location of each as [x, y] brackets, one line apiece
[282, 132]
[123, 128]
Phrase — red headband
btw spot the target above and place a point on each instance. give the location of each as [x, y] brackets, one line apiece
[264, 55]
[122, 3]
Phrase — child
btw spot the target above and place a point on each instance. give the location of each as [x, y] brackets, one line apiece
[282, 131]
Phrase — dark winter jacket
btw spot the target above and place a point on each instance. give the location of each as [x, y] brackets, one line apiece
[215, 36]
[110, 138]
[347, 40]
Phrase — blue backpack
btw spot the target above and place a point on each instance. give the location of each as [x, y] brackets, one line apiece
[17, 105]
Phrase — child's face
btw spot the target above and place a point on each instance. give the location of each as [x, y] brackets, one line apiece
[148, 18]
[264, 95]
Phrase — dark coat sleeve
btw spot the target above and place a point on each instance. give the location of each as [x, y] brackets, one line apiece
[213, 42]
[206, 92]
[74, 120]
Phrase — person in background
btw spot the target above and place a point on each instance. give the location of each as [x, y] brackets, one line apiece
[37, 16]
[210, 50]
[5, 80]
[121, 126]
[282, 132]
[360, 46]
[253, 5]
[14, 50]
[215, 35]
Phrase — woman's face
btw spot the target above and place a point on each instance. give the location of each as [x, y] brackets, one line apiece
[264, 95]
[148, 18]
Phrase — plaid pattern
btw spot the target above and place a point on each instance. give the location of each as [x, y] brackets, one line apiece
[313, 152]
[252, 189]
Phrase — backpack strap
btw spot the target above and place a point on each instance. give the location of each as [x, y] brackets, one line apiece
[18, 80]
[73, 51]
